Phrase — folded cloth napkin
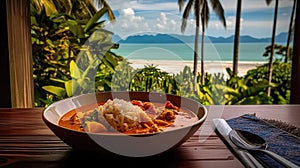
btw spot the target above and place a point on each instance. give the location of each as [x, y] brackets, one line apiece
[279, 141]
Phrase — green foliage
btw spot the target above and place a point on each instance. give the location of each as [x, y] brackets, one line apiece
[280, 52]
[185, 81]
[122, 77]
[224, 91]
[52, 52]
[242, 90]
[233, 90]
[72, 55]
[69, 55]
[152, 79]
[248, 89]
[212, 92]
[281, 80]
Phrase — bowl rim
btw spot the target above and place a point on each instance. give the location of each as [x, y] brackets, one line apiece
[193, 124]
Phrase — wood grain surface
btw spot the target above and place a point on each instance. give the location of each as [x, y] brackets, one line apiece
[25, 141]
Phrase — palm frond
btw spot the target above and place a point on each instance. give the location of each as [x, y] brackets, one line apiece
[110, 13]
[92, 22]
[268, 2]
[217, 7]
[180, 4]
[90, 5]
[64, 5]
[48, 5]
[104, 4]
[186, 13]
[204, 15]
[197, 7]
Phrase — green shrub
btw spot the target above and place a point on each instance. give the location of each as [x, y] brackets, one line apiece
[281, 80]
[152, 79]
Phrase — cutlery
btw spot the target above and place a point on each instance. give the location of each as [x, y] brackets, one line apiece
[223, 129]
[253, 142]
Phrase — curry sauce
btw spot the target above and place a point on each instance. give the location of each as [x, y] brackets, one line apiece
[101, 119]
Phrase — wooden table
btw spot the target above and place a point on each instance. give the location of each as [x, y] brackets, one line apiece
[25, 141]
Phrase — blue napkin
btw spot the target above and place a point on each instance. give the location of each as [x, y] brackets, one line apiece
[279, 141]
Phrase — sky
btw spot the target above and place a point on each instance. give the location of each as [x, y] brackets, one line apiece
[163, 16]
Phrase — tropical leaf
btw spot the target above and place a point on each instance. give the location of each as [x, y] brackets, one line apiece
[75, 28]
[75, 72]
[248, 100]
[72, 87]
[49, 6]
[253, 91]
[58, 91]
[57, 80]
[111, 59]
[95, 19]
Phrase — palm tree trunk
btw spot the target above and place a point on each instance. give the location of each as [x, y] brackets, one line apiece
[196, 49]
[272, 48]
[202, 59]
[295, 81]
[290, 32]
[203, 19]
[237, 38]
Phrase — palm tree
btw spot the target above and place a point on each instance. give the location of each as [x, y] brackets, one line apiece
[81, 9]
[290, 31]
[187, 10]
[204, 20]
[272, 44]
[201, 11]
[295, 81]
[237, 37]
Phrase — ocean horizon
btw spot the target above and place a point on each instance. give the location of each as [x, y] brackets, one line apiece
[213, 52]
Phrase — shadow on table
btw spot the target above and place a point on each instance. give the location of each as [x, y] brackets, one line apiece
[78, 158]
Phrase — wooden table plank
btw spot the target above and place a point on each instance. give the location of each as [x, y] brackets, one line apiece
[25, 141]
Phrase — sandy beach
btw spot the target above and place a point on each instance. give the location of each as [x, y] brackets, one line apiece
[211, 67]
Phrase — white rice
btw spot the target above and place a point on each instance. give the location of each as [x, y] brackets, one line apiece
[121, 115]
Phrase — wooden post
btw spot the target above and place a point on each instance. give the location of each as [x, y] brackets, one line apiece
[20, 53]
[295, 83]
[5, 98]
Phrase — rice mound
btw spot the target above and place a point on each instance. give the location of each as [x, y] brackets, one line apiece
[122, 115]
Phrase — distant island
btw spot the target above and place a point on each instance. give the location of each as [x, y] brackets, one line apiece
[175, 38]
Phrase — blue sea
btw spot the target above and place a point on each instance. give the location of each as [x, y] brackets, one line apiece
[248, 52]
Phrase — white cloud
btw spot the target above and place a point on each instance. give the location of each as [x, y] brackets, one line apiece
[164, 17]
[230, 23]
[166, 24]
[128, 23]
[137, 5]
[128, 12]
[252, 5]
[216, 28]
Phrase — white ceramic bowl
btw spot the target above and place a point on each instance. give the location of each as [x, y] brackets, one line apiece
[140, 145]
